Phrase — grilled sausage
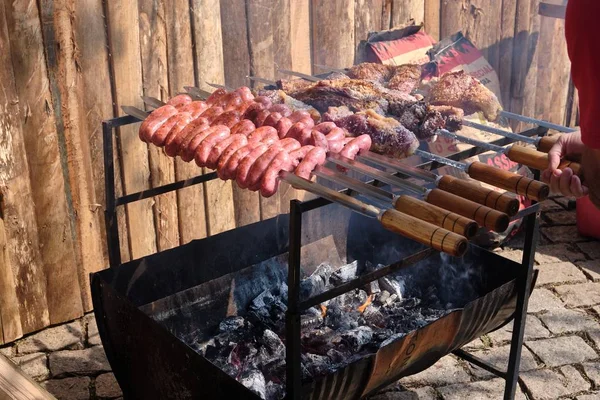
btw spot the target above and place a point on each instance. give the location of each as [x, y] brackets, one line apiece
[230, 169]
[264, 101]
[196, 108]
[177, 122]
[252, 111]
[296, 130]
[212, 113]
[187, 154]
[244, 127]
[231, 98]
[272, 119]
[281, 109]
[299, 115]
[217, 134]
[325, 127]
[335, 146]
[336, 134]
[259, 167]
[261, 116]
[270, 180]
[318, 139]
[174, 144]
[298, 155]
[228, 118]
[215, 96]
[316, 156]
[154, 121]
[283, 126]
[180, 100]
[215, 153]
[245, 93]
[263, 134]
[356, 145]
[238, 141]
[305, 137]
[244, 166]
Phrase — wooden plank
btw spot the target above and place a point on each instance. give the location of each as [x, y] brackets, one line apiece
[123, 28]
[333, 33]
[545, 59]
[386, 15]
[208, 53]
[452, 17]
[300, 35]
[561, 73]
[41, 143]
[10, 321]
[403, 11]
[18, 215]
[15, 385]
[484, 28]
[90, 39]
[432, 18]
[236, 61]
[190, 201]
[367, 18]
[153, 43]
[509, 9]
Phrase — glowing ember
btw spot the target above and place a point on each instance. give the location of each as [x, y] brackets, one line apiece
[323, 311]
[369, 300]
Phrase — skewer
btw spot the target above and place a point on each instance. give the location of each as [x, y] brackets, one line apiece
[391, 219]
[261, 80]
[484, 216]
[300, 74]
[506, 180]
[218, 86]
[519, 154]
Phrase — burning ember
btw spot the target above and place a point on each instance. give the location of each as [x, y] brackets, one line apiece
[249, 346]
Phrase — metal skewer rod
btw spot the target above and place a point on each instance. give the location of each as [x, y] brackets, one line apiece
[219, 86]
[300, 74]
[325, 67]
[261, 80]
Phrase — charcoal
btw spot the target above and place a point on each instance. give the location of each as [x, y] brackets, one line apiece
[255, 381]
[338, 318]
[382, 298]
[344, 273]
[271, 350]
[336, 356]
[311, 319]
[316, 364]
[275, 390]
[373, 316]
[391, 285]
[373, 287]
[231, 324]
[358, 337]
[316, 282]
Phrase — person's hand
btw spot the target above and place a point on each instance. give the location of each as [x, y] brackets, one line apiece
[564, 181]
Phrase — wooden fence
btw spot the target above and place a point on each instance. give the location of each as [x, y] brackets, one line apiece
[68, 64]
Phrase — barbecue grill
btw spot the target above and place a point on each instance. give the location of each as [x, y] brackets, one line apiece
[150, 360]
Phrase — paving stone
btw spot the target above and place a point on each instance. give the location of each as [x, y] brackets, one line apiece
[594, 335]
[34, 365]
[498, 356]
[77, 388]
[563, 234]
[561, 351]
[591, 268]
[559, 273]
[592, 370]
[591, 396]
[107, 386]
[52, 339]
[568, 321]
[591, 249]
[515, 255]
[475, 344]
[7, 351]
[446, 371]
[483, 390]
[87, 361]
[579, 295]
[555, 253]
[561, 218]
[533, 330]
[423, 393]
[93, 338]
[542, 299]
[547, 384]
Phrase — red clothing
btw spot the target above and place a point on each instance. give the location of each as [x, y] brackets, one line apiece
[582, 31]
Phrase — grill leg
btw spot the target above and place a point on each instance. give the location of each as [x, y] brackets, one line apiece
[292, 318]
[110, 214]
[523, 287]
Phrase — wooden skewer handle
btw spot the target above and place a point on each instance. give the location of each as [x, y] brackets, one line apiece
[436, 215]
[538, 160]
[510, 181]
[423, 232]
[505, 202]
[546, 143]
[483, 215]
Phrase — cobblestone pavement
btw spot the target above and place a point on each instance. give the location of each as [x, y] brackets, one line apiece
[560, 358]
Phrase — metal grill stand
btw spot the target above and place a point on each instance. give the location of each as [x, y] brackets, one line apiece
[295, 305]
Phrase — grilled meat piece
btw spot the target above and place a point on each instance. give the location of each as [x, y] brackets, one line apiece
[405, 78]
[291, 86]
[459, 89]
[380, 73]
[388, 135]
[281, 97]
[453, 116]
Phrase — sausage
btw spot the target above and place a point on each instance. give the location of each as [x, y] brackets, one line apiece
[180, 100]
[252, 111]
[272, 119]
[308, 122]
[336, 134]
[227, 98]
[261, 117]
[173, 143]
[335, 146]
[228, 118]
[356, 145]
[298, 155]
[155, 120]
[212, 113]
[235, 103]
[270, 179]
[229, 171]
[177, 122]
[245, 93]
[265, 101]
[281, 109]
[243, 168]
[283, 126]
[196, 108]
[217, 134]
[263, 134]
[187, 154]
[182, 122]
[318, 139]
[244, 127]
[259, 167]
[215, 96]
[238, 141]
[316, 156]
[295, 130]
[215, 153]
[325, 127]
[305, 137]
[298, 115]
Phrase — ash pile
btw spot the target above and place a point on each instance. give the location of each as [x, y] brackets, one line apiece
[250, 346]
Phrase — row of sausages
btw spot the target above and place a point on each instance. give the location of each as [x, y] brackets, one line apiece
[245, 138]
